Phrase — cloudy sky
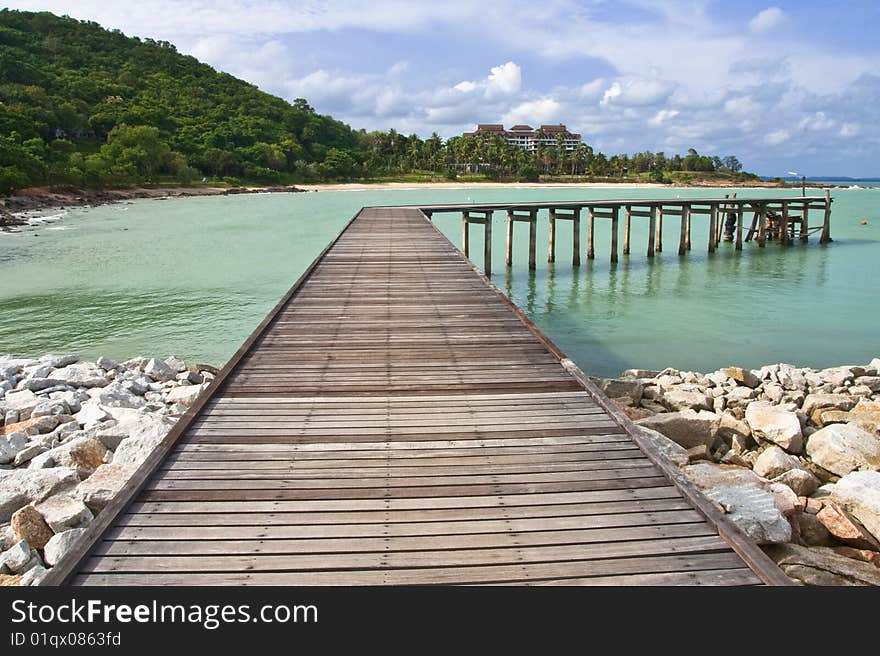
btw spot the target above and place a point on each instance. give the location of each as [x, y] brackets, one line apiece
[790, 86]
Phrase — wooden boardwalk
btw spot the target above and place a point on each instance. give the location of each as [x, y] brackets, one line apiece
[395, 420]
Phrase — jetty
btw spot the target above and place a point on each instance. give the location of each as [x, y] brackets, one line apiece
[784, 220]
[395, 419]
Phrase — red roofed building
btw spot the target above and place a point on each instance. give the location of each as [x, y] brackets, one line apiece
[528, 138]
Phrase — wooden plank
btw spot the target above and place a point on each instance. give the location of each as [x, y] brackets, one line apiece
[397, 419]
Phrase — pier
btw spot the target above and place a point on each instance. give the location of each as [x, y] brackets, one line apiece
[782, 220]
[395, 419]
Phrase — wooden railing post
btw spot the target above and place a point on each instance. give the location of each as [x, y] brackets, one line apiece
[652, 221]
[591, 226]
[826, 223]
[615, 212]
[658, 238]
[576, 237]
[533, 237]
[551, 246]
[627, 219]
[508, 259]
[682, 239]
[465, 237]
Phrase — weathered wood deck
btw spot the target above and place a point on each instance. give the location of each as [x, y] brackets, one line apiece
[396, 420]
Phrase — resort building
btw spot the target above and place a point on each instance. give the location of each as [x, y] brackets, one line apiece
[527, 137]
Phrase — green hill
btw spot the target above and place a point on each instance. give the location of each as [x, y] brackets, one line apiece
[86, 106]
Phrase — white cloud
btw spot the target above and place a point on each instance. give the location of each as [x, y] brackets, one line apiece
[777, 137]
[505, 79]
[635, 92]
[742, 105]
[662, 116]
[817, 121]
[766, 20]
[849, 130]
[542, 110]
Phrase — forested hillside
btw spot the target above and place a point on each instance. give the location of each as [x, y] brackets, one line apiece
[84, 106]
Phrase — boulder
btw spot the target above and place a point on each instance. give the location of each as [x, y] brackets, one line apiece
[775, 425]
[185, 395]
[106, 364]
[17, 557]
[629, 373]
[61, 544]
[801, 482]
[866, 406]
[742, 376]
[176, 363]
[773, 461]
[64, 511]
[82, 375]
[678, 455]
[84, 454]
[859, 494]
[11, 445]
[846, 528]
[837, 376]
[707, 475]
[791, 379]
[869, 421]
[29, 525]
[842, 448]
[91, 415]
[754, 511]
[677, 399]
[821, 566]
[100, 488]
[686, 427]
[34, 576]
[634, 413]
[742, 395]
[19, 487]
[159, 371]
[825, 416]
[613, 387]
[834, 401]
[39, 384]
[668, 381]
[10, 580]
[115, 395]
[813, 532]
[58, 361]
[52, 408]
[22, 402]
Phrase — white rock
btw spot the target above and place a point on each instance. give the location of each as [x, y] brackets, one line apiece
[57, 361]
[678, 455]
[687, 428]
[91, 415]
[678, 399]
[61, 544]
[16, 557]
[115, 395]
[19, 487]
[779, 426]
[85, 454]
[175, 363]
[773, 461]
[859, 493]
[145, 437]
[754, 511]
[83, 374]
[64, 511]
[23, 401]
[842, 448]
[106, 363]
[100, 488]
[837, 376]
[837, 401]
[34, 576]
[159, 371]
[11, 445]
[185, 395]
[801, 482]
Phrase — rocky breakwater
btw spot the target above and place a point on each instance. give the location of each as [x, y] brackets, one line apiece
[791, 454]
[72, 435]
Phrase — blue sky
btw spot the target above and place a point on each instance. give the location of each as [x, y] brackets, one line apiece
[785, 86]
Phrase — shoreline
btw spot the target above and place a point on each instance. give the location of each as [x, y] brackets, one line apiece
[791, 455]
[16, 208]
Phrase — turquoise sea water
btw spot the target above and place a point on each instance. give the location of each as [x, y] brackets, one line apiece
[194, 276]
